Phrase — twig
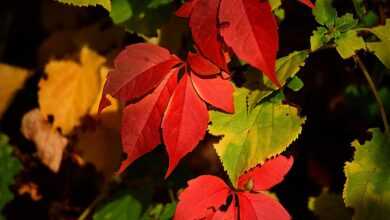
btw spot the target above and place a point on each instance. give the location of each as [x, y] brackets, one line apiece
[374, 90]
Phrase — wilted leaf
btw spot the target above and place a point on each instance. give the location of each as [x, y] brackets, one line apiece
[70, 89]
[50, 143]
[11, 80]
[367, 188]
[251, 137]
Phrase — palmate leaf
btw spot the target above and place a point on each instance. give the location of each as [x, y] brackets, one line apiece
[105, 3]
[367, 188]
[9, 167]
[252, 136]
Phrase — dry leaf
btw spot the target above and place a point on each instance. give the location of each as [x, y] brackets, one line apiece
[102, 148]
[31, 189]
[49, 142]
[70, 89]
[11, 80]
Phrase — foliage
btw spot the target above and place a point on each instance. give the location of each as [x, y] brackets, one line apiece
[105, 3]
[368, 180]
[10, 167]
[329, 206]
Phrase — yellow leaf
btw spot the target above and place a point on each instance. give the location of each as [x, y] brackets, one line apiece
[11, 80]
[70, 89]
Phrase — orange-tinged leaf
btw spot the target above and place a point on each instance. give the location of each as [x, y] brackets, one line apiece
[250, 29]
[184, 123]
[214, 90]
[11, 80]
[70, 89]
[138, 69]
[141, 125]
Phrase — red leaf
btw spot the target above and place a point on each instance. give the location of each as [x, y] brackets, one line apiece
[250, 29]
[308, 3]
[230, 214]
[257, 206]
[204, 27]
[184, 123]
[201, 65]
[138, 69]
[203, 196]
[215, 91]
[141, 123]
[185, 10]
[267, 175]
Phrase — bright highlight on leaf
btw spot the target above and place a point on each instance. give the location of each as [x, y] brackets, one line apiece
[367, 188]
[249, 137]
[208, 197]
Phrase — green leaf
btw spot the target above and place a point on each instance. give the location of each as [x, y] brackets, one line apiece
[318, 39]
[142, 17]
[349, 42]
[286, 67]
[381, 49]
[329, 206]
[345, 22]
[295, 84]
[123, 208]
[360, 8]
[251, 137]
[275, 4]
[324, 13]
[105, 3]
[160, 212]
[9, 168]
[367, 188]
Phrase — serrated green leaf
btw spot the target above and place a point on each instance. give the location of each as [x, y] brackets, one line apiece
[348, 43]
[105, 3]
[295, 84]
[324, 13]
[329, 206]
[318, 38]
[10, 166]
[381, 49]
[345, 22]
[142, 17]
[367, 188]
[251, 137]
[123, 208]
[286, 67]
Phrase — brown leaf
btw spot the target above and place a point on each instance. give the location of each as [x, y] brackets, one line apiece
[49, 142]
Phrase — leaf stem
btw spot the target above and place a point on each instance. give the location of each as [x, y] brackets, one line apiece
[374, 90]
